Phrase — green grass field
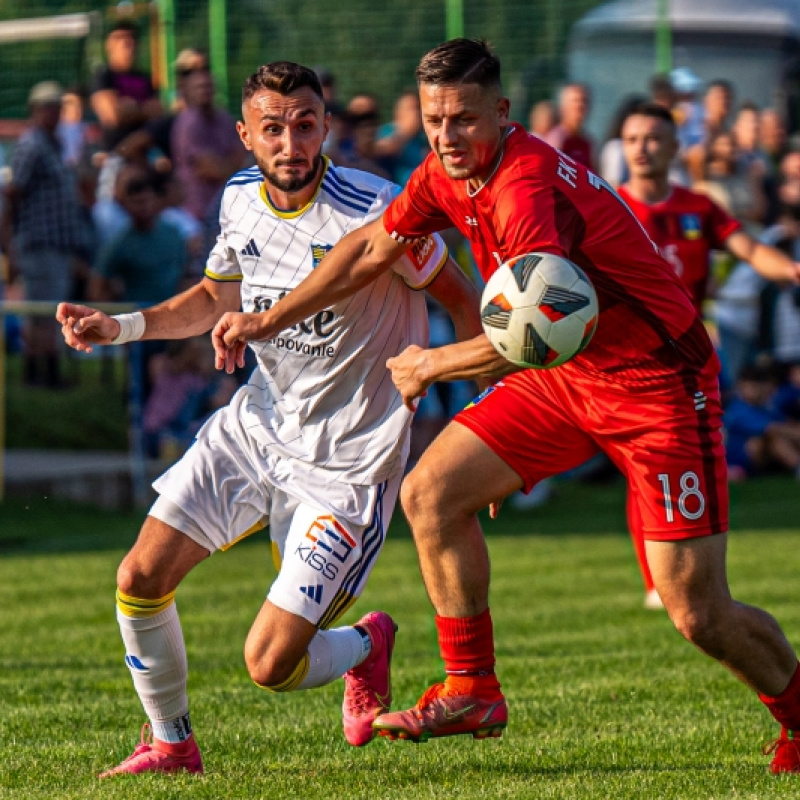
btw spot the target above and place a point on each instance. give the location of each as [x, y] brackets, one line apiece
[606, 700]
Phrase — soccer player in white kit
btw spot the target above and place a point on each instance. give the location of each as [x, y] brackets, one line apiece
[313, 446]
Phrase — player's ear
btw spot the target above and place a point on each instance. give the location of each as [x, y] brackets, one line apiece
[244, 134]
[503, 109]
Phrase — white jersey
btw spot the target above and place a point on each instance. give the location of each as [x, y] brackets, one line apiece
[321, 394]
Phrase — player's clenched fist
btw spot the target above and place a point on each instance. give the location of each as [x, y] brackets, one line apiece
[83, 327]
[230, 335]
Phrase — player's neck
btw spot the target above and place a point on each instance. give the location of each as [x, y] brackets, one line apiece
[649, 190]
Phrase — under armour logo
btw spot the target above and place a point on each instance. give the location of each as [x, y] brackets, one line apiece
[250, 249]
[472, 221]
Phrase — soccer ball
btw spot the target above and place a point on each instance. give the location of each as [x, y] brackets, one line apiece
[539, 310]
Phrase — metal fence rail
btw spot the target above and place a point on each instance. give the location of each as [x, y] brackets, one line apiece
[136, 456]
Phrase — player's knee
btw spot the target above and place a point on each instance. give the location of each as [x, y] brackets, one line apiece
[268, 667]
[137, 580]
[702, 625]
[418, 494]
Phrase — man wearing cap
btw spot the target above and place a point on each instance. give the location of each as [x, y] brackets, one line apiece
[41, 228]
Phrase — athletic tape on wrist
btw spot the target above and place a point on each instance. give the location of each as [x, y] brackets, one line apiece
[131, 327]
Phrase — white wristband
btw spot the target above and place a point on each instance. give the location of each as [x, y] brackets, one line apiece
[131, 327]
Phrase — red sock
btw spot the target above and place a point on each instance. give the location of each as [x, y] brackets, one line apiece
[637, 535]
[786, 706]
[184, 748]
[467, 644]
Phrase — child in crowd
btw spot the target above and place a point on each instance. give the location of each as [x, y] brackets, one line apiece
[186, 389]
[759, 435]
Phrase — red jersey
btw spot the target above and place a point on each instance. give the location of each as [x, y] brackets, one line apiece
[538, 199]
[686, 226]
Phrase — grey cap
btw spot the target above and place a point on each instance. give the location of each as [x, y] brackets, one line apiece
[45, 93]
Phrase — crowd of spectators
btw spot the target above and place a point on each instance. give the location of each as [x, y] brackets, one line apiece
[113, 197]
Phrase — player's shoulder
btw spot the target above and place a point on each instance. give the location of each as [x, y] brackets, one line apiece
[353, 190]
[245, 182]
[682, 198]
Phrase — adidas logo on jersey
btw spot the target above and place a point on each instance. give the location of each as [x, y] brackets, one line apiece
[314, 592]
[250, 249]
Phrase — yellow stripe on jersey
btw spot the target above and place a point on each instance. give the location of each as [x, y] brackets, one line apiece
[139, 608]
[259, 526]
[293, 681]
[276, 557]
[339, 605]
[222, 278]
[292, 214]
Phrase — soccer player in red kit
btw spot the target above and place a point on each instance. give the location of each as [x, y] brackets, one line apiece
[644, 391]
[686, 226]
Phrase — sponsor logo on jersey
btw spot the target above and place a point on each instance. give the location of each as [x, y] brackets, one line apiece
[690, 225]
[420, 251]
[314, 592]
[318, 252]
[250, 249]
[471, 221]
[326, 542]
[321, 326]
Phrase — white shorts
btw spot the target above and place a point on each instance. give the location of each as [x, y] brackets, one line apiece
[325, 538]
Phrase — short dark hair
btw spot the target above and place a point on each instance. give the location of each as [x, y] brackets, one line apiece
[283, 77]
[653, 110]
[460, 61]
[127, 25]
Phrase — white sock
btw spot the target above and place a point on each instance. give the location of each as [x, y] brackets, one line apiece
[156, 657]
[332, 653]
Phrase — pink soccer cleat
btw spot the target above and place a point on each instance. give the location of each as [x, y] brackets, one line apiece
[787, 753]
[442, 712]
[148, 758]
[368, 687]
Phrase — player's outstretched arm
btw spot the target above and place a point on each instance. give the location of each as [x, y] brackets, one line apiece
[768, 261]
[356, 260]
[190, 313]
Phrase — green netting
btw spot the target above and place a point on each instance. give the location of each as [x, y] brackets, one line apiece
[369, 46]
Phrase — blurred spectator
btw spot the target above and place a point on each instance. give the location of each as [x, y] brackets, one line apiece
[144, 263]
[787, 398]
[206, 148]
[364, 103]
[364, 154]
[747, 134]
[759, 437]
[327, 80]
[152, 143]
[42, 229]
[171, 198]
[569, 135]
[737, 189]
[338, 144]
[402, 143]
[662, 92]
[122, 97]
[186, 389]
[73, 131]
[755, 316]
[687, 111]
[612, 158]
[717, 105]
[542, 118]
[773, 136]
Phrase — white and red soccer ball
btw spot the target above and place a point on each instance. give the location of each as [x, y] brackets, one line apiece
[539, 310]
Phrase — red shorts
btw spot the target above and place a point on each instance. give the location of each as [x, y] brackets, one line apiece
[666, 441]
